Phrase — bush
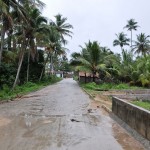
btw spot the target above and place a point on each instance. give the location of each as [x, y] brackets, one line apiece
[91, 85]
[7, 93]
[7, 74]
[107, 86]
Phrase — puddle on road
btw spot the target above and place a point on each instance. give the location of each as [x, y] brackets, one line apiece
[58, 131]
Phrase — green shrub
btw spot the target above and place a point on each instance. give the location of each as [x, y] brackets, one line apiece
[7, 93]
[91, 85]
[108, 86]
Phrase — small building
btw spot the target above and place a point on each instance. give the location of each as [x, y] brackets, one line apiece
[85, 77]
[59, 74]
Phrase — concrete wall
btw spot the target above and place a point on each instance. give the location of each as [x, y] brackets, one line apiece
[143, 97]
[136, 117]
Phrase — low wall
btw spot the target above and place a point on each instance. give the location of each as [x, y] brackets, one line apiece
[143, 97]
[136, 117]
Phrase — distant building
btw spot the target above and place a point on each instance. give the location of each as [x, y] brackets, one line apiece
[86, 77]
[59, 74]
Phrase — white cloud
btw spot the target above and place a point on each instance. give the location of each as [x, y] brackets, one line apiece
[99, 19]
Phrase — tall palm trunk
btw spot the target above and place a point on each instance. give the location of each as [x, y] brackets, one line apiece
[44, 67]
[14, 44]
[9, 40]
[19, 68]
[23, 48]
[2, 40]
[51, 66]
[94, 74]
[28, 67]
[85, 77]
[131, 39]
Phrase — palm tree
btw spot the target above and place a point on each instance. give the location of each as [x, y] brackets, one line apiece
[7, 21]
[90, 58]
[25, 38]
[36, 27]
[121, 40]
[131, 25]
[62, 27]
[141, 73]
[142, 45]
[53, 47]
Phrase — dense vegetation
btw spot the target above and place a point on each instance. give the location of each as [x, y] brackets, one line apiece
[19, 91]
[132, 66]
[31, 45]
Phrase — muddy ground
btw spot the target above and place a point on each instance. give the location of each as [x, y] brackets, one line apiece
[60, 117]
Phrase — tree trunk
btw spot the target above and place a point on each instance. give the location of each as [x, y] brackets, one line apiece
[131, 39]
[14, 44]
[44, 67]
[85, 77]
[9, 39]
[51, 66]
[20, 62]
[19, 68]
[28, 67]
[94, 73]
[2, 41]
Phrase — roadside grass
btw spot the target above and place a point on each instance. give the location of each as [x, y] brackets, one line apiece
[143, 104]
[108, 86]
[8, 94]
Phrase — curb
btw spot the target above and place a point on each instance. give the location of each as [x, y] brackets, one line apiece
[88, 93]
[106, 108]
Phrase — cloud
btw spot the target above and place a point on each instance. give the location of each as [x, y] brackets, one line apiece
[99, 19]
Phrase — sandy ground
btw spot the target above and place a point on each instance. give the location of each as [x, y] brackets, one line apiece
[60, 117]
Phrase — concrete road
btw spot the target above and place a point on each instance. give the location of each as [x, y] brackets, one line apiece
[57, 118]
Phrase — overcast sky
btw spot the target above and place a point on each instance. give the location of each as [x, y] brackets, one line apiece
[99, 19]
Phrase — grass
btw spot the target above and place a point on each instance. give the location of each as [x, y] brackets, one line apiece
[108, 86]
[143, 104]
[8, 94]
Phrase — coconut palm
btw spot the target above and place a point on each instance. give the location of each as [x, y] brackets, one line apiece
[131, 25]
[37, 22]
[6, 19]
[141, 73]
[26, 39]
[142, 45]
[90, 58]
[121, 40]
[53, 47]
[62, 27]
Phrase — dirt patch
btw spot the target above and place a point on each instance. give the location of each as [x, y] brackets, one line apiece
[114, 92]
[104, 100]
[104, 97]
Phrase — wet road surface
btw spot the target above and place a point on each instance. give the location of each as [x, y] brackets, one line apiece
[57, 118]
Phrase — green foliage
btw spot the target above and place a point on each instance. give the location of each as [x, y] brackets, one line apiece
[7, 74]
[75, 78]
[7, 93]
[142, 44]
[121, 40]
[143, 104]
[35, 68]
[107, 86]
